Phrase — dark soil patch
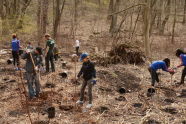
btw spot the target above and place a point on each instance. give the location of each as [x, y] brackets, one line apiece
[137, 105]
[152, 122]
[16, 113]
[168, 92]
[5, 79]
[3, 87]
[105, 89]
[183, 93]
[43, 96]
[120, 98]
[184, 122]
[102, 109]
[41, 122]
[49, 85]
[66, 107]
[169, 101]
[170, 110]
[75, 82]
[121, 79]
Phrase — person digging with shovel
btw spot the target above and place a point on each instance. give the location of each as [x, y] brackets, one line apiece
[89, 75]
[33, 64]
[180, 54]
[161, 64]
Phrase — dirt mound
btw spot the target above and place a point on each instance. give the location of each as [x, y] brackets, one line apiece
[122, 53]
[119, 78]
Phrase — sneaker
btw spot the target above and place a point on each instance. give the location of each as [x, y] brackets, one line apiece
[89, 106]
[79, 102]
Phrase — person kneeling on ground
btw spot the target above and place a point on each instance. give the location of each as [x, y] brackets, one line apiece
[180, 54]
[89, 76]
[164, 65]
[33, 63]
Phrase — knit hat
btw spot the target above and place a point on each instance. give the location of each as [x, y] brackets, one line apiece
[83, 56]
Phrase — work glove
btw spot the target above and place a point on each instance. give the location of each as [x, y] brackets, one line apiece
[172, 72]
[93, 82]
[36, 68]
[28, 50]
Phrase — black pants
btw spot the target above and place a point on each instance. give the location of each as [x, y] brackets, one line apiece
[15, 55]
[77, 51]
[154, 76]
[50, 59]
[183, 75]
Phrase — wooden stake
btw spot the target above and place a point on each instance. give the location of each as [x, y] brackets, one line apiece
[27, 106]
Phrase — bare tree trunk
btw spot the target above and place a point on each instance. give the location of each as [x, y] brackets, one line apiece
[42, 19]
[74, 22]
[21, 15]
[58, 12]
[75, 11]
[184, 16]
[114, 17]
[139, 10]
[147, 20]
[45, 16]
[166, 17]
[174, 23]
[4, 13]
[159, 13]
[1, 7]
[5, 26]
[110, 9]
[39, 34]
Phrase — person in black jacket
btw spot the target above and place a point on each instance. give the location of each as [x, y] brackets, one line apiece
[89, 75]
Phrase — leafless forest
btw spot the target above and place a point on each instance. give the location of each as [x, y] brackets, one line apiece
[122, 37]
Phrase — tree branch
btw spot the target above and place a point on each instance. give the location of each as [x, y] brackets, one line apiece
[142, 4]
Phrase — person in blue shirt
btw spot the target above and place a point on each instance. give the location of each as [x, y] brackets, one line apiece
[15, 50]
[156, 65]
[180, 54]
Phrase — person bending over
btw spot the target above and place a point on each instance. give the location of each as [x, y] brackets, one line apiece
[156, 65]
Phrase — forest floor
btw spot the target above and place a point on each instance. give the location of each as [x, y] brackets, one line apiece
[166, 106]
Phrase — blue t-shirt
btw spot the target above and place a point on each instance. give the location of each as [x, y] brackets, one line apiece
[158, 65]
[15, 45]
[183, 59]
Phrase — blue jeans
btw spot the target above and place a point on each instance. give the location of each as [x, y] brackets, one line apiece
[33, 84]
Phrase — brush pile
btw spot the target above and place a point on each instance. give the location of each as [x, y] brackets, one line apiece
[121, 53]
